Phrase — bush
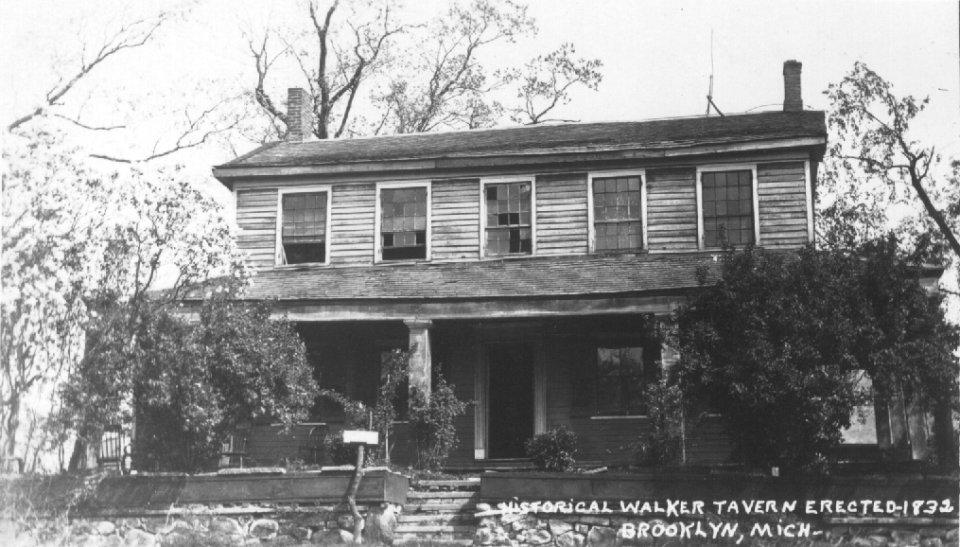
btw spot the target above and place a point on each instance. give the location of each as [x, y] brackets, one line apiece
[777, 344]
[432, 424]
[662, 442]
[553, 450]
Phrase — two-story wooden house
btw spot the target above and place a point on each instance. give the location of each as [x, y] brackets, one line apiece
[530, 264]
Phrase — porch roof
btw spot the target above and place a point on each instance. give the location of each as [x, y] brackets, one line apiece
[534, 277]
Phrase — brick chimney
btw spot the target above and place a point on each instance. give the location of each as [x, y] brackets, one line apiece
[299, 115]
[792, 102]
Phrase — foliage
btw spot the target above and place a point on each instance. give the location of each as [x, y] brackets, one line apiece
[873, 162]
[553, 450]
[337, 452]
[394, 370]
[662, 441]
[431, 420]
[777, 343]
[190, 385]
[80, 239]
[547, 80]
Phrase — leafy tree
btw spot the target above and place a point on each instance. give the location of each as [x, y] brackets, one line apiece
[85, 240]
[874, 161]
[777, 343]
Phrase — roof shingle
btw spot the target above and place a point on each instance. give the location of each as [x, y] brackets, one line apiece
[541, 139]
[582, 275]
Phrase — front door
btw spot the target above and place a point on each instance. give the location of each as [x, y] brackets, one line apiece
[510, 399]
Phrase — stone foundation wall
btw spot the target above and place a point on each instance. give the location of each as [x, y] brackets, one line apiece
[591, 530]
[247, 525]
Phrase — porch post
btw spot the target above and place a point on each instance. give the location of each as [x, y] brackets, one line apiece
[421, 364]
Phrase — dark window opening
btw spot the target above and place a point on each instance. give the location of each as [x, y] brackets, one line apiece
[509, 219]
[616, 213]
[621, 383]
[728, 208]
[304, 224]
[403, 223]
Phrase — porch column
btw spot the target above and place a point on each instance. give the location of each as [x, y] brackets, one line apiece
[421, 364]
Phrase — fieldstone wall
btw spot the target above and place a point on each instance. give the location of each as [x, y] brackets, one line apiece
[590, 530]
[217, 525]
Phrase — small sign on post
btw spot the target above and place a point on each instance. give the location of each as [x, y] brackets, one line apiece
[368, 438]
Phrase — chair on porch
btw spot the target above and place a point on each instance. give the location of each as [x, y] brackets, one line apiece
[111, 450]
[233, 451]
[310, 448]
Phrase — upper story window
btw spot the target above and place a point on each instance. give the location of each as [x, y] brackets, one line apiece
[617, 213]
[509, 218]
[304, 224]
[728, 207]
[403, 223]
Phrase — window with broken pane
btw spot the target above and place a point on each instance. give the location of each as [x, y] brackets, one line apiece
[620, 381]
[728, 208]
[508, 219]
[403, 223]
[616, 213]
[304, 225]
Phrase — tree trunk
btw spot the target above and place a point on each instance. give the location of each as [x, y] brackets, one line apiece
[945, 440]
[936, 215]
[352, 497]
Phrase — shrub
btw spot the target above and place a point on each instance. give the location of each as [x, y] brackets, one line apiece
[553, 450]
[432, 424]
[777, 344]
[662, 441]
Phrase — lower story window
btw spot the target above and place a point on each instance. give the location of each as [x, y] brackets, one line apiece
[612, 378]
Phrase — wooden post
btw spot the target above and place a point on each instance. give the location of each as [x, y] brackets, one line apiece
[352, 497]
[420, 359]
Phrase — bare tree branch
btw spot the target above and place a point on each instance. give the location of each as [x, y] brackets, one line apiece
[129, 36]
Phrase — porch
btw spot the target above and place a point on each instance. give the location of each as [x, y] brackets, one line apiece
[522, 376]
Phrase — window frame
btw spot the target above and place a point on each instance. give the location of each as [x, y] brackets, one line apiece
[532, 180]
[378, 211]
[624, 409]
[327, 189]
[721, 168]
[591, 221]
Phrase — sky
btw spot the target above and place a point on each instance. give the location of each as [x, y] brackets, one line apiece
[656, 55]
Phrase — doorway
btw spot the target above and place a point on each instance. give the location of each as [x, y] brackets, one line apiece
[510, 399]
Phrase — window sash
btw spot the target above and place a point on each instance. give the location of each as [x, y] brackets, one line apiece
[303, 227]
[617, 213]
[403, 223]
[509, 218]
[727, 202]
[620, 380]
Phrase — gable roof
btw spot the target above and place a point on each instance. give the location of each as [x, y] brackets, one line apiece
[675, 133]
[535, 277]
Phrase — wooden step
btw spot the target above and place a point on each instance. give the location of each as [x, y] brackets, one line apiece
[441, 518]
[449, 507]
[433, 529]
[442, 495]
[415, 539]
[464, 484]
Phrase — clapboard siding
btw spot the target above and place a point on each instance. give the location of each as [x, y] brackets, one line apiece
[672, 210]
[781, 192]
[455, 219]
[257, 223]
[352, 224]
[562, 214]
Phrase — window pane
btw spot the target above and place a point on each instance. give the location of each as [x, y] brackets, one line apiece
[303, 227]
[728, 208]
[403, 223]
[508, 206]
